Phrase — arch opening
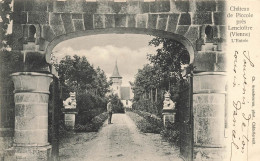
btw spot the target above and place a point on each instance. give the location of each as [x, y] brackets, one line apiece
[163, 34]
[168, 84]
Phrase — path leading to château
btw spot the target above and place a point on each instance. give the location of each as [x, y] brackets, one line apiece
[120, 141]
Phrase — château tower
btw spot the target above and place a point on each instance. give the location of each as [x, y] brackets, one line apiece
[117, 81]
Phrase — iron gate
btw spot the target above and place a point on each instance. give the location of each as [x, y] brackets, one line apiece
[186, 118]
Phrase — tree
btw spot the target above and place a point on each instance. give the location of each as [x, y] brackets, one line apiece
[163, 73]
[146, 79]
[91, 85]
[101, 83]
[76, 73]
[169, 58]
[10, 61]
[5, 18]
[117, 105]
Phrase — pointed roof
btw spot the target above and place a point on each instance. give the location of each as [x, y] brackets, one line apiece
[115, 72]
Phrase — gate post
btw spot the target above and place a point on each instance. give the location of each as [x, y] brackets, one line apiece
[70, 111]
[186, 114]
[168, 109]
[31, 97]
[56, 103]
[209, 101]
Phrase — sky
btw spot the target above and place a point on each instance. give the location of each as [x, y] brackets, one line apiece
[130, 51]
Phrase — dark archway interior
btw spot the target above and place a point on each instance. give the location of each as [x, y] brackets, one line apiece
[32, 33]
[209, 33]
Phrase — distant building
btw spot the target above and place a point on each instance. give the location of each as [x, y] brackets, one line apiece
[124, 93]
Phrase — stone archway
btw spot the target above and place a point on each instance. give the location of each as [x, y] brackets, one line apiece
[54, 19]
[51, 22]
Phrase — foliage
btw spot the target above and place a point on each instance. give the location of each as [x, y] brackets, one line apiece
[170, 56]
[146, 79]
[6, 17]
[94, 125]
[87, 101]
[10, 61]
[148, 106]
[163, 73]
[91, 85]
[101, 83]
[117, 105]
[146, 122]
[62, 130]
[171, 133]
[78, 75]
[149, 123]
[89, 106]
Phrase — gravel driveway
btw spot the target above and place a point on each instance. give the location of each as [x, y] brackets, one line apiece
[120, 141]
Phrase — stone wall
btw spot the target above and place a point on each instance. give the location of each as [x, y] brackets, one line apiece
[54, 19]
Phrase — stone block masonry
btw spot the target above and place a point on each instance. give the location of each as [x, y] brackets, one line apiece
[58, 18]
[31, 115]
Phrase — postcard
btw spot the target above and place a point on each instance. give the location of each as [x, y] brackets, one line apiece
[130, 80]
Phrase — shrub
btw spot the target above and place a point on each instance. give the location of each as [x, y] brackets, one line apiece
[150, 123]
[171, 133]
[155, 122]
[89, 106]
[118, 106]
[148, 106]
[146, 122]
[94, 125]
[63, 133]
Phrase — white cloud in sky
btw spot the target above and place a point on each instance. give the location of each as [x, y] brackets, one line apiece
[128, 60]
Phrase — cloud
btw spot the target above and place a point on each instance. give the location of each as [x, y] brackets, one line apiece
[128, 60]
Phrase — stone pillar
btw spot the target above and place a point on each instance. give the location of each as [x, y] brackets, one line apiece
[69, 118]
[168, 109]
[31, 96]
[70, 111]
[209, 103]
[168, 116]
